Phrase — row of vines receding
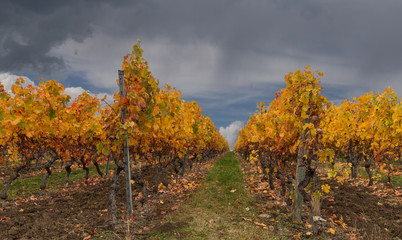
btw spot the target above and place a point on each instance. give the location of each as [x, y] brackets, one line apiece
[40, 130]
[301, 133]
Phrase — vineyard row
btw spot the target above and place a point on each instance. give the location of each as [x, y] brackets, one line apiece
[38, 126]
[301, 130]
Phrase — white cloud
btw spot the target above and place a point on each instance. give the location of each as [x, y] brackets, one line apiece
[74, 92]
[231, 132]
[8, 80]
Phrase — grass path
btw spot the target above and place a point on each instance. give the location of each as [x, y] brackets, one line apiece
[217, 210]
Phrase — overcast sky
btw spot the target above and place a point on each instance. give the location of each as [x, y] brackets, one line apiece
[227, 55]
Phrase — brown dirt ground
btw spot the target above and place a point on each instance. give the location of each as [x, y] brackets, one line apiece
[81, 212]
[59, 215]
[369, 215]
[372, 213]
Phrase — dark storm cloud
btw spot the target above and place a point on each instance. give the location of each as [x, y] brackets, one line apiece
[29, 29]
[337, 35]
[361, 34]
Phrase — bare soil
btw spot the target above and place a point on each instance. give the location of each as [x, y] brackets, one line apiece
[82, 211]
[350, 211]
[372, 212]
[61, 215]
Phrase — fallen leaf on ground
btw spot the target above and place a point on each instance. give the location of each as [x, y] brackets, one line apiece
[297, 236]
[273, 220]
[3, 219]
[87, 237]
[260, 224]
[318, 219]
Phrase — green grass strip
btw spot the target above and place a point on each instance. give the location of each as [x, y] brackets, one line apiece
[217, 209]
[23, 187]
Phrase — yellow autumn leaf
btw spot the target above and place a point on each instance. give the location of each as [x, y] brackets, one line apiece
[16, 121]
[325, 188]
[161, 186]
[29, 134]
[180, 154]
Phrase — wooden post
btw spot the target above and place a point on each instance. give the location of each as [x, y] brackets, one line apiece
[184, 165]
[125, 150]
[108, 163]
[300, 175]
